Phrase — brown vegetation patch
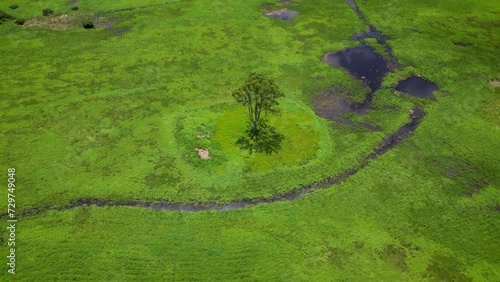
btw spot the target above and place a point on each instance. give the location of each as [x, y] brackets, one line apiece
[396, 256]
[468, 175]
[58, 22]
[442, 268]
[495, 83]
[475, 186]
[68, 21]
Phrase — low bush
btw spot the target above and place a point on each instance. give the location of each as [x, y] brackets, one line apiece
[47, 12]
[88, 25]
[5, 17]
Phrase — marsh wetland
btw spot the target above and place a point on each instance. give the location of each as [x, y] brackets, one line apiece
[119, 121]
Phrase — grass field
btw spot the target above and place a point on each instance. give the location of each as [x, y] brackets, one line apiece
[113, 113]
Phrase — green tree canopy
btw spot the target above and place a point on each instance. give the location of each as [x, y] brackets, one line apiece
[258, 94]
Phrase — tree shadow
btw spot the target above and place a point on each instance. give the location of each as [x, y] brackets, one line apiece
[268, 140]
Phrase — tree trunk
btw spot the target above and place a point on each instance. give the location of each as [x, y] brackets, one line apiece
[255, 130]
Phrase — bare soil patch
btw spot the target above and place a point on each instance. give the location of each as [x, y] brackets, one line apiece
[495, 83]
[62, 21]
[203, 153]
[77, 20]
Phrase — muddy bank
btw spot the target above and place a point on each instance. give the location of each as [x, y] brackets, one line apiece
[416, 116]
[388, 143]
[417, 87]
[333, 105]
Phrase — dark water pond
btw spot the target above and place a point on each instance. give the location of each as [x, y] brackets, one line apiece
[418, 87]
[362, 62]
[283, 14]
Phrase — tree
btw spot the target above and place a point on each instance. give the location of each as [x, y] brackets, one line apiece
[258, 94]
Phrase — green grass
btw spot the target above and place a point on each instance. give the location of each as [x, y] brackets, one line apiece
[353, 232]
[113, 113]
[301, 140]
[116, 115]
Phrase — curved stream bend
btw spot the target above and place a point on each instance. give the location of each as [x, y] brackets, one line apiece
[387, 143]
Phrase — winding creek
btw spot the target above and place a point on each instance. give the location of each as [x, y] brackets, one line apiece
[372, 76]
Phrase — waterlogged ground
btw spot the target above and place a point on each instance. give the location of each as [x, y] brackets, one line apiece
[102, 124]
[117, 115]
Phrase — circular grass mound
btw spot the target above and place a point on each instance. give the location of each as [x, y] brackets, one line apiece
[299, 145]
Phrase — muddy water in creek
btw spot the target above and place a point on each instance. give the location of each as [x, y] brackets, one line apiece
[363, 63]
[372, 32]
[388, 143]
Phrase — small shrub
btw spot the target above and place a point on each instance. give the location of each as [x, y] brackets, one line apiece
[47, 12]
[13, 7]
[88, 25]
[20, 21]
[74, 8]
[5, 17]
